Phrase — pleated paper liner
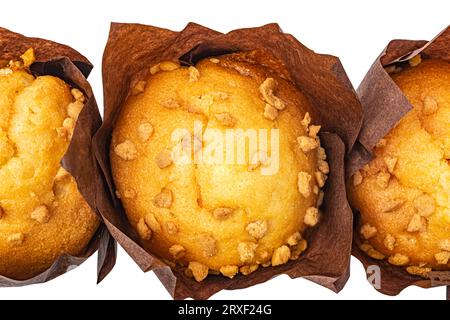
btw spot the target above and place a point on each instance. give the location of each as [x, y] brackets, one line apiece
[64, 62]
[132, 49]
[384, 105]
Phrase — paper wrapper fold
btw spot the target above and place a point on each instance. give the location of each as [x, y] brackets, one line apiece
[132, 49]
[384, 106]
[66, 63]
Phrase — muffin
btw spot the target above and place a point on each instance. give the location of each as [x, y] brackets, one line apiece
[196, 189]
[403, 194]
[42, 213]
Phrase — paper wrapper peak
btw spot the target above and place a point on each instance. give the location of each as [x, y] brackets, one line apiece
[66, 63]
[384, 106]
[132, 49]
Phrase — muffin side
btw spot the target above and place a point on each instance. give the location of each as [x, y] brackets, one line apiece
[43, 215]
[403, 194]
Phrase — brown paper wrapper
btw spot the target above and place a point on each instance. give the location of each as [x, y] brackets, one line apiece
[66, 63]
[384, 105]
[133, 48]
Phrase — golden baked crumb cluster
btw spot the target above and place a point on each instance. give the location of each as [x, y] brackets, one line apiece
[42, 213]
[218, 218]
[403, 195]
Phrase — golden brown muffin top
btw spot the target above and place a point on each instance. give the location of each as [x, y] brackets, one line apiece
[42, 214]
[403, 195]
[218, 217]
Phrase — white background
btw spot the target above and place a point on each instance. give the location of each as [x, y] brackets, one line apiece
[356, 31]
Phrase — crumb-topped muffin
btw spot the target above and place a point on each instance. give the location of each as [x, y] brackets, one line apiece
[192, 198]
[42, 213]
[403, 194]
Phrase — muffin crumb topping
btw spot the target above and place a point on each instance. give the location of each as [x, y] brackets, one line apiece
[357, 178]
[418, 271]
[177, 251]
[246, 251]
[171, 228]
[194, 74]
[270, 112]
[246, 270]
[41, 214]
[281, 256]
[145, 131]
[152, 223]
[425, 205]
[267, 89]
[417, 223]
[430, 105]
[442, 257]
[164, 159]
[143, 230]
[368, 231]
[294, 239]
[307, 143]
[415, 61]
[208, 245]
[304, 184]
[311, 216]
[257, 229]
[126, 150]
[229, 271]
[168, 66]
[163, 199]
[389, 242]
[199, 271]
[390, 162]
[398, 259]
[138, 88]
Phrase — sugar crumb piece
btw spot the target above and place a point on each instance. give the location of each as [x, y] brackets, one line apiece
[257, 229]
[281, 256]
[368, 231]
[304, 184]
[143, 230]
[177, 251]
[307, 143]
[199, 271]
[164, 159]
[311, 217]
[41, 214]
[415, 61]
[398, 259]
[267, 89]
[194, 74]
[163, 199]
[126, 150]
[229, 271]
[168, 66]
[270, 112]
[246, 251]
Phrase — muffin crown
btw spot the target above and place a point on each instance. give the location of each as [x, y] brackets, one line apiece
[248, 208]
[38, 198]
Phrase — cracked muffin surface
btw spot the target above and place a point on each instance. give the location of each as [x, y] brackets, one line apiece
[42, 213]
[403, 195]
[216, 216]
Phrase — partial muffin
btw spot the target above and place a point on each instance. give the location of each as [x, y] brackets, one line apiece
[403, 194]
[42, 213]
[209, 214]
